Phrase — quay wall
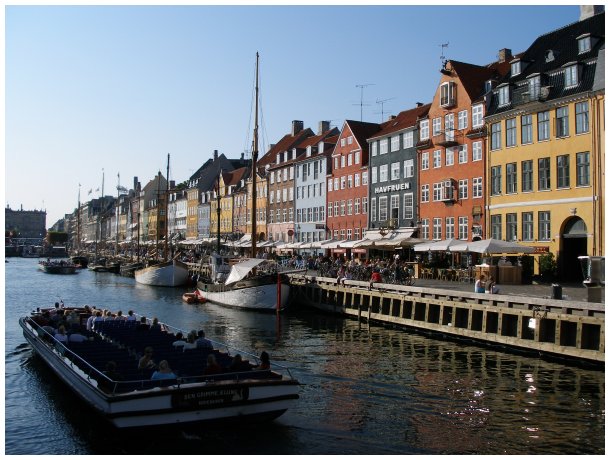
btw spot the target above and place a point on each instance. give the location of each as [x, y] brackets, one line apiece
[567, 329]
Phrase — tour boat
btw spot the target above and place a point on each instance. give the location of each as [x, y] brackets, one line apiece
[57, 268]
[128, 397]
[171, 273]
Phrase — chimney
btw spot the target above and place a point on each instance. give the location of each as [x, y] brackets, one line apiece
[242, 155]
[586, 11]
[419, 104]
[504, 55]
[391, 117]
[323, 126]
[215, 154]
[296, 126]
[135, 183]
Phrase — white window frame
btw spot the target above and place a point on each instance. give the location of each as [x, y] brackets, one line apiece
[395, 143]
[436, 159]
[409, 168]
[449, 156]
[477, 116]
[383, 146]
[463, 119]
[424, 129]
[407, 139]
[383, 173]
[395, 171]
[425, 161]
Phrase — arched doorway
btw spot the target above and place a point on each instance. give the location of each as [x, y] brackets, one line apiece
[573, 244]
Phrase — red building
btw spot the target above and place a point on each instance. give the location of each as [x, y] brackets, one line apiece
[347, 183]
[452, 153]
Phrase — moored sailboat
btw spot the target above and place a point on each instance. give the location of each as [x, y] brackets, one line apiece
[169, 273]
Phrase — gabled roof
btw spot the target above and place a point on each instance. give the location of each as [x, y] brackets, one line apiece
[473, 77]
[209, 171]
[313, 141]
[234, 177]
[287, 142]
[362, 130]
[405, 119]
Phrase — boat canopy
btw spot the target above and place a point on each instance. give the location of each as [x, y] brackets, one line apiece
[240, 270]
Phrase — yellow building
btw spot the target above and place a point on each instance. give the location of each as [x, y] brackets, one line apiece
[546, 154]
[261, 207]
[192, 203]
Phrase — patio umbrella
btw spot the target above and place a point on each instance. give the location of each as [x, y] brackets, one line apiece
[442, 245]
[492, 246]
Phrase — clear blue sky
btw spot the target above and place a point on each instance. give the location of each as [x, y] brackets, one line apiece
[117, 88]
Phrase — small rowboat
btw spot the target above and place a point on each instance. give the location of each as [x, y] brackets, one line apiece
[193, 297]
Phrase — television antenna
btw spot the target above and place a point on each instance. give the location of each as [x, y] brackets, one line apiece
[362, 86]
[443, 46]
[381, 102]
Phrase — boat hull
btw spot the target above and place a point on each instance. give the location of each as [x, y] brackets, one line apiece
[172, 273]
[218, 401]
[59, 269]
[258, 297]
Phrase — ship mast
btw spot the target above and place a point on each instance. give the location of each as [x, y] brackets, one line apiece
[166, 210]
[254, 158]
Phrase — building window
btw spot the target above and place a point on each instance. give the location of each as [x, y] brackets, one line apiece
[395, 171]
[511, 132]
[383, 208]
[562, 122]
[373, 209]
[374, 148]
[582, 117]
[533, 87]
[409, 169]
[527, 226]
[496, 180]
[544, 225]
[463, 119]
[436, 126]
[342, 182]
[425, 161]
[449, 126]
[436, 159]
[425, 229]
[463, 154]
[503, 96]
[373, 174]
[511, 227]
[449, 156]
[477, 187]
[407, 139]
[544, 126]
[350, 207]
[447, 94]
[330, 209]
[463, 189]
[357, 206]
[365, 178]
[449, 227]
[571, 76]
[424, 129]
[437, 191]
[349, 182]
[511, 178]
[394, 206]
[349, 162]
[383, 146]
[365, 205]
[463, 228]
[336, 210]
[357, 233]
[477, 151]
[563, 171]
[383, 173]
[407, 210]
[515, 68]
[582, 169]
[544, 173]
[584, 44]
[425, 193]
[436, 228]
[527, 176]
[526, 129]
[330, 185]
[356, 180]
[356, 158]
[342, 207]
[496, 226]
[477, 116]
[395, 143]
[496, 136]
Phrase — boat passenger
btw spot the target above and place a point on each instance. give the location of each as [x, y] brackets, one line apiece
[131, 316]
[490, 286]
[164, 372]
[119, 315]
[142, 326]
[201, 341]
[179, 342]
[155, 326]
[375, 278]
[238, 364]
[265, 362]
[61, 335]
[112, 374]
[212, 366]
[146, 361]
[190, 341]
[77, 337]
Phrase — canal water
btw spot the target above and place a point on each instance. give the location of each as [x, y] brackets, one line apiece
[365, 390]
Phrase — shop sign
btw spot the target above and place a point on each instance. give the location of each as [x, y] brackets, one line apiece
[541, 249]
[393, 187]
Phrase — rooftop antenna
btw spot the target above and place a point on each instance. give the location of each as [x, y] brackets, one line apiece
[362, 86]
[443, 46]
[383, 101]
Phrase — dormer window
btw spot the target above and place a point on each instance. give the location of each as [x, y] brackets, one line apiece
[571, 75]
[321, 146]
[447, 94]
[584, 43]
[277, 159]
[533, 86]
[515, 68]
[503, 95]
[308, 153]
[489, 85]
[294, 154]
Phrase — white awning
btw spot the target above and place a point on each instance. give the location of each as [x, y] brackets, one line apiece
[332, 244]
[492, 246]
[240, 270]
[442, 245]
